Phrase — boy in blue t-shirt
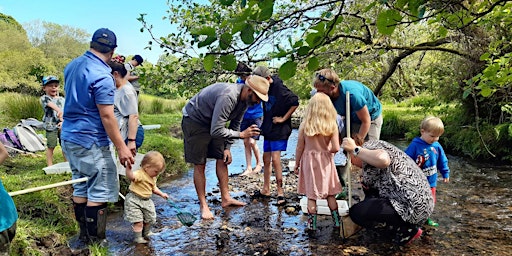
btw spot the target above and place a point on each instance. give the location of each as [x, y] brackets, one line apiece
[429, 154]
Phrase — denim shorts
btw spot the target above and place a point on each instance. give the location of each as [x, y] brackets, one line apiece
[274, 145]
[99, 166]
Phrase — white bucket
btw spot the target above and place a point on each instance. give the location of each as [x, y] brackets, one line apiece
[322, 208]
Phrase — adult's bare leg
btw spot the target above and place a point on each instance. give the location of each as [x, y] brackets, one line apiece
[200, 184]
[222, 175]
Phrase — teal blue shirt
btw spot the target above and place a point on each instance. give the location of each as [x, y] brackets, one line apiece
[8, 213]
[360, 96]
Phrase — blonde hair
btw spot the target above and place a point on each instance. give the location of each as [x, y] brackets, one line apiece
[153, 158]
[320, 116]
[329, 74]
[432, 124]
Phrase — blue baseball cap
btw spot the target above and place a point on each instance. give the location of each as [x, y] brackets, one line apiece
[48, 79]
[105, 37]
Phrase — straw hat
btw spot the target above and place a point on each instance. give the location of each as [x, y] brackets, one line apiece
[259, 85]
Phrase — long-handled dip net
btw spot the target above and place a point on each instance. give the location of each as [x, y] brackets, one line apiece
[186, 218]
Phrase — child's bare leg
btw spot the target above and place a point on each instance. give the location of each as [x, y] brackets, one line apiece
[256, 152]
[312, 206]
[278, 170]
[267, 171]
[331, 202]
[248, 156]
[49, 156]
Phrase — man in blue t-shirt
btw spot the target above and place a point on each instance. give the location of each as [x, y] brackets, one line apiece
[89, 123]
[365, 108]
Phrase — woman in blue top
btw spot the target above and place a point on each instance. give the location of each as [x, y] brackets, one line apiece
[365, 108]
[8, 214]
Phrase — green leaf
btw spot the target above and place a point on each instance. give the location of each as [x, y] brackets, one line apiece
[287, 70]
[466, 93]
[400, 3]
[208, 62]
[386, 21]
[225, 40]
[485, 56]
[243, 3]
[313, 39]
[267, 8]
[443, 31]
[209, 40]
[247, 34]
[320, 27]
[313, 64]
[414, 6]
[304, 50]
[226, 2]
[510, 130]
[209, 31]
[228, 62]
[369, 7]
[486, 92]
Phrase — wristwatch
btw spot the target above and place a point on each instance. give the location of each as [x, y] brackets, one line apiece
[356, 151]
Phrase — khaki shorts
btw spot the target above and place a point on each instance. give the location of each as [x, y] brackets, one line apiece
[52, 137]
[199, 144]
[138, 209]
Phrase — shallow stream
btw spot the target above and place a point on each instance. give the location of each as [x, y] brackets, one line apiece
[474, 212]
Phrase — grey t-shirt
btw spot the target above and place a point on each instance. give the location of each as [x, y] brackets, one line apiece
[214, 106]
[125, 104]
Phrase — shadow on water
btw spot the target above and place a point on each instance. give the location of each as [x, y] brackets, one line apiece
[474, 212]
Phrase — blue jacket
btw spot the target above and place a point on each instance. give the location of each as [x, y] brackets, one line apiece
[430, 158]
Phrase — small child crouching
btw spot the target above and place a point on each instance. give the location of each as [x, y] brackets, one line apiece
[139, 209]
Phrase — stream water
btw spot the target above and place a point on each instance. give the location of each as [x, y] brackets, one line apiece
[474, 212]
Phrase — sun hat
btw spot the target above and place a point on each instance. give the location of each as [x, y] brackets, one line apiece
[259, 85]
[105, 37]
[48, 79]
[261, 71]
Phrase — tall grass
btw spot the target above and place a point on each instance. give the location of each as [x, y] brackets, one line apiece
[17, 106]
[153, 105]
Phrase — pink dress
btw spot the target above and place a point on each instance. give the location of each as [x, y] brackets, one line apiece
[317, 176]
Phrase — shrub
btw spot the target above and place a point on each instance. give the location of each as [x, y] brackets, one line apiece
[20, 106]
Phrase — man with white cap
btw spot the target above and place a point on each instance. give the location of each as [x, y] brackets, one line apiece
[205, 134]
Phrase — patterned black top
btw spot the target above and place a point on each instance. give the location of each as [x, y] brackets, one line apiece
[402, 182]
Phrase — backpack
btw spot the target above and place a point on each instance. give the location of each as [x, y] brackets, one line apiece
[29, 138]
[9, 138]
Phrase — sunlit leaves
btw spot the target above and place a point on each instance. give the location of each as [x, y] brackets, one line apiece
[387, 20]
[208, 62]
[228, 62]
[287, 70]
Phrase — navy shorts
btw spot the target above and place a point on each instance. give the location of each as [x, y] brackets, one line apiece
[274, 145]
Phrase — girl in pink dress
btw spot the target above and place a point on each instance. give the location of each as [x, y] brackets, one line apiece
[317, 143]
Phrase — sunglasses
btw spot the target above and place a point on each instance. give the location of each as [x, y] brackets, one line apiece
[323, 78]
